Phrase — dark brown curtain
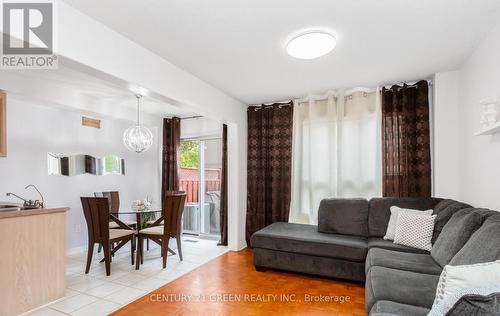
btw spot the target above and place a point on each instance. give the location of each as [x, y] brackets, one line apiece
[223, 190]
[269, 165]
[406, 141]
[170, 157]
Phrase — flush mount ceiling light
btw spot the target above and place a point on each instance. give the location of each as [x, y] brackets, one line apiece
[138, 138]
[311, 45]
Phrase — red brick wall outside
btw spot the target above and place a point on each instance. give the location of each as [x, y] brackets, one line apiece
[189, 183]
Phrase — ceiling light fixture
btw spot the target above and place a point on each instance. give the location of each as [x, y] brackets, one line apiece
[138, 138]
[311, 45]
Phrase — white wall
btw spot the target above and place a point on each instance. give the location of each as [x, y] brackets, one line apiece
[446, 135]
[480, 156]
[35, 129]
[201, 127]
[467, 167]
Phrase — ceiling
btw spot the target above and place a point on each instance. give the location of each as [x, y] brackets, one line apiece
[104, 92]
[239, 46]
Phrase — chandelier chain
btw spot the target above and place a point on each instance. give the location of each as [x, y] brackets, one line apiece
[138, 96]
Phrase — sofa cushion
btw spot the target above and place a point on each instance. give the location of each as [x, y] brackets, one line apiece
[399, 286]
[302, 263]
[406, 261]
[387, 244]
[444, 210]
[343, 216]
[482, 246]
[387, 308]
[305, 239]
[455, 234]
[379, 211]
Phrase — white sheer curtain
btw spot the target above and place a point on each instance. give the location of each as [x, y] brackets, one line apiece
[336, 151]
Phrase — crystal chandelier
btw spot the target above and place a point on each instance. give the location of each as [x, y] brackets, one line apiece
[138, 138]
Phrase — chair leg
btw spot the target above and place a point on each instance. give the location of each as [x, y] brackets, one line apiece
[107, 257]
[132, 248]
[90, 251]
[147, 244]
[99, 248]
[142, 250]
[179, 246]
[138, 252]
[164, 251]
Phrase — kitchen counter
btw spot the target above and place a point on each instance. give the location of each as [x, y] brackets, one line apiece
[32, 265]
[32, 212]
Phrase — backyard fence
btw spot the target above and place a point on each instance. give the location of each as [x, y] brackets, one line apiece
[189, 182]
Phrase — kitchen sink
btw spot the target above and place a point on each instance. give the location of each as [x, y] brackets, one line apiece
[9, 207]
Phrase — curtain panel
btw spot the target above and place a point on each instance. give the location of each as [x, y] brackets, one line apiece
[269, 165]
[336, 151]
[406, 141]
[170, 155]
[223, 191]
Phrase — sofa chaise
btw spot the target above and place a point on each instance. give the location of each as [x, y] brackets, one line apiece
[348, 244]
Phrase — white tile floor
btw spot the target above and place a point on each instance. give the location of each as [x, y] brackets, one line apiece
[96, 294]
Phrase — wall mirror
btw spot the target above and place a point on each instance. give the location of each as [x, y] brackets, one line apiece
[73, 165]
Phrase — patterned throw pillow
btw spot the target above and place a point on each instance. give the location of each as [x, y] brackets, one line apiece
[393, 220]
[453, 279]
[484, 301]
[415, 230]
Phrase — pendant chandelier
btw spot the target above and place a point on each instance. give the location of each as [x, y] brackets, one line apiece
[138, 138]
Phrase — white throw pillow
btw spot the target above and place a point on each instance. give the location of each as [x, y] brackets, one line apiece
[415, 230]
[395, 210]
[454, 279]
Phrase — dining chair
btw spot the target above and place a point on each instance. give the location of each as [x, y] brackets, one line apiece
[173, 206]
[98, 216]
[149, 224]
[114, 208]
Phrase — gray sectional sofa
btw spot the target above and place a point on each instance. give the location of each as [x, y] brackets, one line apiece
[348, 244]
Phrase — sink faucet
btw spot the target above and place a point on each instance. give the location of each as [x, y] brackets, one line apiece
[30, 203]
[37, 202]
[17, 196]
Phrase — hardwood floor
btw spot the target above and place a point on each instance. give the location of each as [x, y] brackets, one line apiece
[229, 285]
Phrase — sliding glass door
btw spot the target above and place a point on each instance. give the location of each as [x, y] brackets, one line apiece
[200, 178]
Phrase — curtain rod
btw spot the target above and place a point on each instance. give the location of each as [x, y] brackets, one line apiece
[335, 94]
[187, 117]
[346, 92]
[257, 108]
[191, 117]
[269, 104]
[202, 138]
[409, 83]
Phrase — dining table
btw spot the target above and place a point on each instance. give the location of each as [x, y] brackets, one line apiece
[139, 215]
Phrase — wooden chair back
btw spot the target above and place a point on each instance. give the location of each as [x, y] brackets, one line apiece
[173, 207]
[96, 212]
[113, 200]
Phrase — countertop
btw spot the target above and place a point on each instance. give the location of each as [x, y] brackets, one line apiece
[39, 211]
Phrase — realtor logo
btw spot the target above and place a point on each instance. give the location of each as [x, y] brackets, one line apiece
[28, 35]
